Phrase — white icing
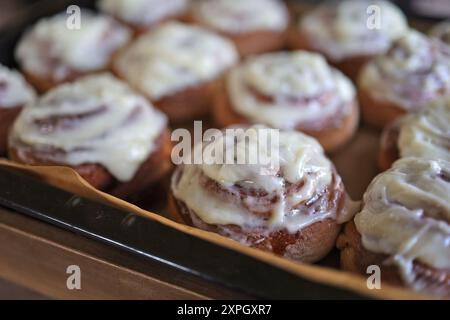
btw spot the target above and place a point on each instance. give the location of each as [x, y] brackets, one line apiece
[427, 134]
[341, 30]
[237, 16]
[14, 90]
[120, 137]
[289, 78]
[414, 71]
[173, 57]
[407, 216]
[143, 12]
[50, 48]
[300, 158]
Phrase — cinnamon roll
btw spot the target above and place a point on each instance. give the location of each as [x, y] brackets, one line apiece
[293, 91]
[53, 51]
[414, 72]
[142, 15]
[99, 127]
[289, 200]
[425, 134]
[349, 33]
[15, 93]
[255, 26]
[404, 227]
[176, 67]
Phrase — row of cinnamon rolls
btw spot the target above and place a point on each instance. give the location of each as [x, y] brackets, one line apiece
[118, 142]
[113, 130]
[177, 65]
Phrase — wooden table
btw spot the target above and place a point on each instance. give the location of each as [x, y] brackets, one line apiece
[36, 255]
[11, 291]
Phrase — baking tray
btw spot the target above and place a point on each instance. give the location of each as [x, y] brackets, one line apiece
[157, 241]
[136, 234]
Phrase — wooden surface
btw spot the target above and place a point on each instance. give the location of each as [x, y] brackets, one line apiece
[36, 255]
[11, 291]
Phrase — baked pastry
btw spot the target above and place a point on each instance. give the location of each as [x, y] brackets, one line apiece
[414, 72]
[15, 93]
[96, 125]
[142, 15]
[290, 90]
[348, 33]
[176, 67]
[50, 53]
[289, 200]
[255, 26]
[423, 134]
[404, 227]
[441, 31]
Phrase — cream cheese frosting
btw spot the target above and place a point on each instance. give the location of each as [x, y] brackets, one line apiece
[426, 134]
[406, 215]
[97, 119]
[341, 30]
[51, 49]
[300, 158]
[143, 12]
[237, 16]
[415, 71]
[302, 88]
[173, 57]
[14, 90]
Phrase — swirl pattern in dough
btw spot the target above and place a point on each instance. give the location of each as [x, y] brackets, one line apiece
[341, 30]
[96, 120]
[406, 216]
[426, 134]
[51, 50]
[174, 57]
[415, 71]
[290, 90]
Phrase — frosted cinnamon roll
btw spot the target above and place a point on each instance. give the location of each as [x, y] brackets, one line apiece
[351, 32]
[141, 15]
[176, 67]
[414, 72]
[99, 127]
[255, 26]
[290, 90]
[289, 200]
[15, 93]
[404, 227]
[425, 134]
[441, 31]
[51, 53]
